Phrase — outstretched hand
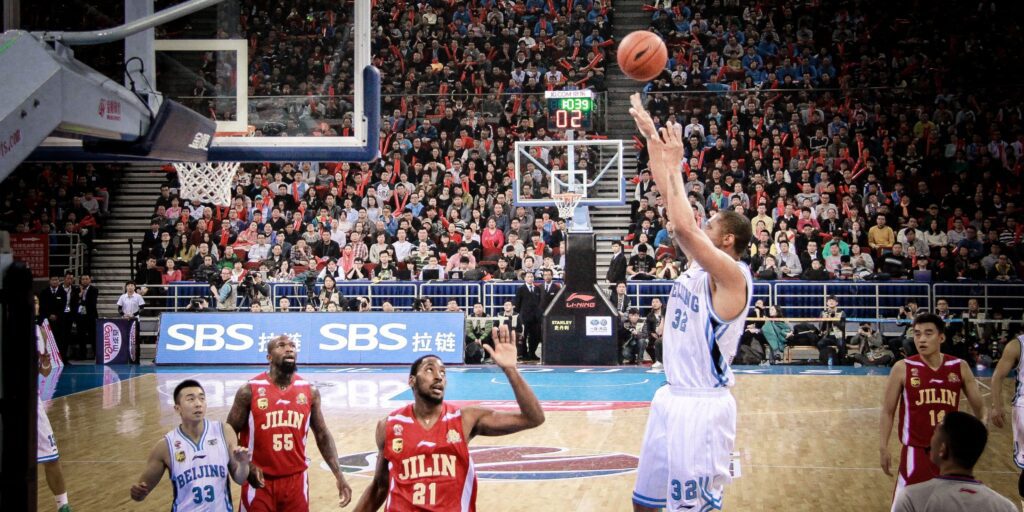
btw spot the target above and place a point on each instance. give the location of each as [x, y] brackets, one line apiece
[665, 145]
[504, 352]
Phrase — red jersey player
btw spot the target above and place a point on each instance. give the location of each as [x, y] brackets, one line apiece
[272, 415]
[926, 387]
[423, 461]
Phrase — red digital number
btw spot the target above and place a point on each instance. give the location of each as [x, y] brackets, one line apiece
[561, 118]
[576, 120]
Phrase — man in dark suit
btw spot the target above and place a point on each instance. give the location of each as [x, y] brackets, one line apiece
[51, 302]
[87, 315]
[617, 266]
[550, 289]
[67, 315]
[528, 303]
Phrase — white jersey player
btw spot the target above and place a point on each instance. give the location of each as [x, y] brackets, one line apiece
[46, 445]
[684, 463]
[1011, 360]
[199, 455]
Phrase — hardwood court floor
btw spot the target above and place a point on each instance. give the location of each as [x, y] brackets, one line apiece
[805, 442]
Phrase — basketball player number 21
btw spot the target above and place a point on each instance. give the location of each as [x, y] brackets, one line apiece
[691, 490]
[419, 492]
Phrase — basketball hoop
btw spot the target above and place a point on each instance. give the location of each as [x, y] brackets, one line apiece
[567, 203]
[207, 182]
[210, 182]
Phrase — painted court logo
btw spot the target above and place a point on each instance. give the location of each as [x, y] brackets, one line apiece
[519, 463]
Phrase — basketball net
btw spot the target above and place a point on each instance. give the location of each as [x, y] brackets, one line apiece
[210, 182]
[566, 203]
[207, 182]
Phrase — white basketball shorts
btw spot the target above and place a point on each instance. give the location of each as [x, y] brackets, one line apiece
[688, 446]
[46, 448]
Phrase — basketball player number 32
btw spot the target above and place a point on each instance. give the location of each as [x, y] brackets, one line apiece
[679, 320]
[690, 488]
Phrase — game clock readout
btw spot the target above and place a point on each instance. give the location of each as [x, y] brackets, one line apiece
[569, 113]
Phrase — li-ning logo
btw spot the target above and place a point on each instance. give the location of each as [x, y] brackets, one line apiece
[580, 301]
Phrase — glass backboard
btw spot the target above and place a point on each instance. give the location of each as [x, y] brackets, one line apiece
[283, 83]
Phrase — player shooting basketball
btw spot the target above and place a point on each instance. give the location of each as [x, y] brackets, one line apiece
[685, 459]
[423, 460]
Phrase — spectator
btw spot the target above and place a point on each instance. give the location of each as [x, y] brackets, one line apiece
[617, 266]
[880, 236]
[225, 291]
[653, 332]
[833, 330]
[130, 304]
[329, 294]
[872, 349]
[789, 263]
[478, 334]
[631, 337]
[641, 265]
[529, 305]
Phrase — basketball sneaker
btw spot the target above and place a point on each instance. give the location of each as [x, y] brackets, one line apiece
[657, 365]
[64, 508]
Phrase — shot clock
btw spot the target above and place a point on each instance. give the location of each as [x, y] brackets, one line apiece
[569, 110]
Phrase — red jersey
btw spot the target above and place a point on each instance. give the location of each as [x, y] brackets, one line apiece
[429, 469]
[927, 396]
[278, 423]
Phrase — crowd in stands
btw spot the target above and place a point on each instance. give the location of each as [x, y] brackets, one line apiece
[864, 140]
[460, 82]
[55, 199]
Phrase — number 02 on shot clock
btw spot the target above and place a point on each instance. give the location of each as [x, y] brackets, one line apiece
[569, 109]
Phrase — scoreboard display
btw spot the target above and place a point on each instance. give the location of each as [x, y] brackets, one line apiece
[569, 110]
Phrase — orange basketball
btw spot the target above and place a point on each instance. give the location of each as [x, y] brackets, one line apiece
[642, 55]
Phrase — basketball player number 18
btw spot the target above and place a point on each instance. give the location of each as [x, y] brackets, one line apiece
[283, 442]
[419, 492]
[936, 416]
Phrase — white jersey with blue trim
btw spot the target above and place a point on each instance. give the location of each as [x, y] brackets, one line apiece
[199, 472]
[1018, 391]
[698, 346]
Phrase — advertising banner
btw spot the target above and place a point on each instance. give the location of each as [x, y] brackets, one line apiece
[34, 250]
[117, 341]
[321, 338]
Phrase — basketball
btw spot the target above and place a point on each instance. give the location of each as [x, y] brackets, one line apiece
[642, 55]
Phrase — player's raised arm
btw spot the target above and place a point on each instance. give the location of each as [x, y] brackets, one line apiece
[890, 401]
[377, 492]
[238, 456]
[665, 147]
[159, 460]
[488, 422]
[325, 443]
[1011, 354]
[972, 392]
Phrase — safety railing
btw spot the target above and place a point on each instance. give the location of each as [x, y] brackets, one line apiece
[67, 254]
[270, 114]
[797, 298]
